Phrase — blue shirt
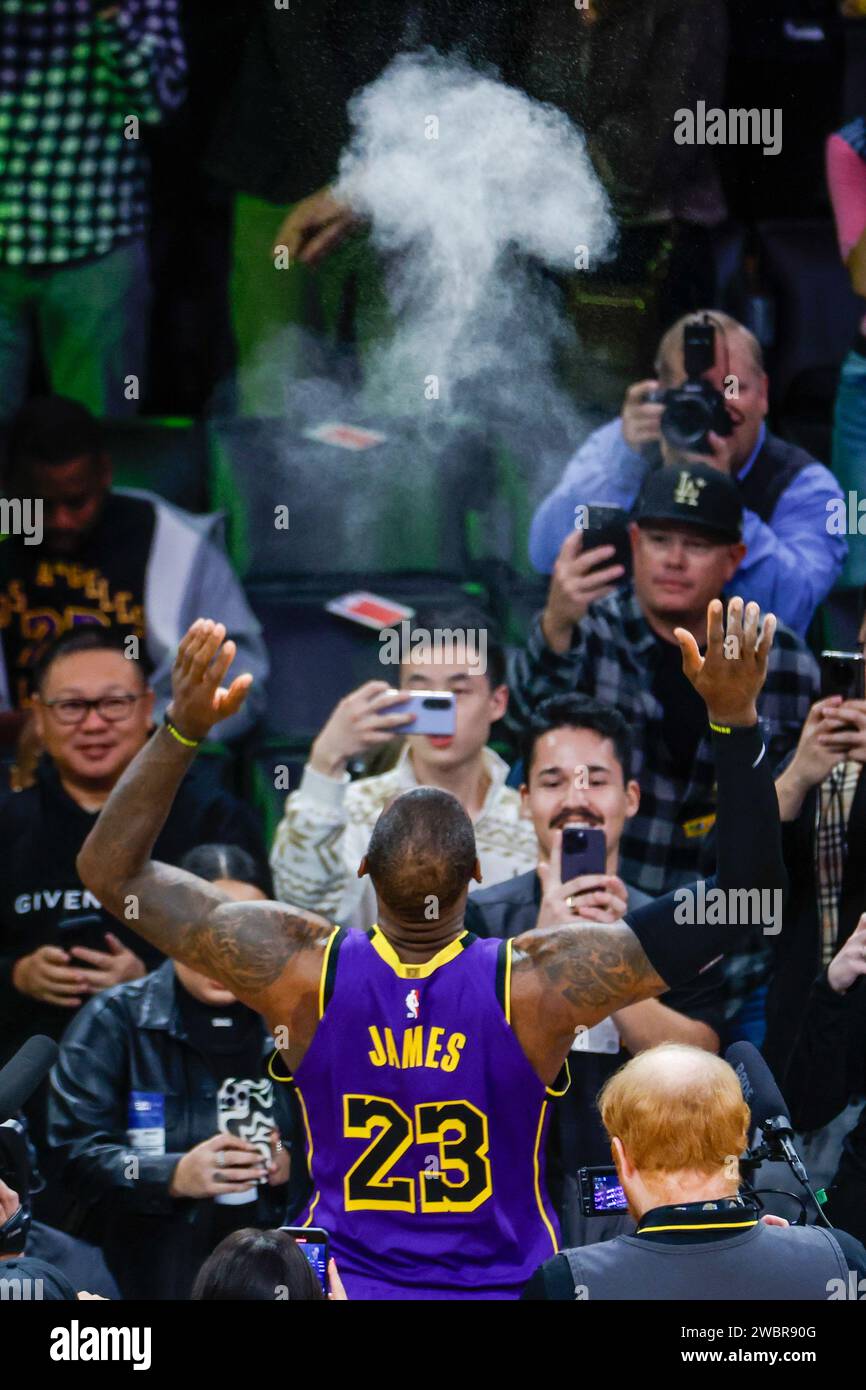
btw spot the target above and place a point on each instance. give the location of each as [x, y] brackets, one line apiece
[790, 565]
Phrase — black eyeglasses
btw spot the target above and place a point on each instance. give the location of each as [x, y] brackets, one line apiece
[112, 708]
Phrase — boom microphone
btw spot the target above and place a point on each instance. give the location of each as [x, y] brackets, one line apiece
[23, 1075]
[765, 1101]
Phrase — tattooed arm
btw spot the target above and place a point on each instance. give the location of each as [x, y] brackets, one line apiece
[269, 955]
[571, 976]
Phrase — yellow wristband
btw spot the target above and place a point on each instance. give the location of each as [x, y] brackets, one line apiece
[176, 733]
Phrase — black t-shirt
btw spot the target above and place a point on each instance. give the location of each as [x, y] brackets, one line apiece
[43, 595]
[684, 714]
[42, 899]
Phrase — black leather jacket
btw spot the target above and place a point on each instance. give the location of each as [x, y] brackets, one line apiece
[131, 1038]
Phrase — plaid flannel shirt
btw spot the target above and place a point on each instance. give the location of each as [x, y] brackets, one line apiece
[613, 659]
[73, 167]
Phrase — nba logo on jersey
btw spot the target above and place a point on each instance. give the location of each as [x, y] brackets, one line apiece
[413, 1004]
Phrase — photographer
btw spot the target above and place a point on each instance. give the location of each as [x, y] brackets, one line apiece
[677, 1123]
[791, 561]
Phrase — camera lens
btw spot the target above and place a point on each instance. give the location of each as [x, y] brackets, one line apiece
[436, 702]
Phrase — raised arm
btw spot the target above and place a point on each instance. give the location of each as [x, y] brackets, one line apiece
[569, 977]
[267, 954]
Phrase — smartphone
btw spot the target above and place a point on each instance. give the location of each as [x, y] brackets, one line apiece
[435, 713]
[600, 1191]
[316, 1245]
[608, 526]
[584, 851]
[842, 673]
[85, 929]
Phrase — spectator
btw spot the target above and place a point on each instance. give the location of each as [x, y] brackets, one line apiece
[33, 1276]
[278, 147]
[790, 561]
[577, 768]
[81, 1264]
[846, 177]
[822, 804]
[327, 823]
[81, 82]
[622, 69]
[49, 924]
[122, 558]
[677, 1122]
[260, 1266]
[827, 1071]
[620, 648]
[168, 1125]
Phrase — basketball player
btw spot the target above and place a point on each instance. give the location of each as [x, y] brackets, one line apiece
[423, 1056]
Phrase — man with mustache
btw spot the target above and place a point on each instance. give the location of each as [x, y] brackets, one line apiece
[791, 561]
[577, 766]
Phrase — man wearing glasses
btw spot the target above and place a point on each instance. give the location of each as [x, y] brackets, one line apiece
[94, 710]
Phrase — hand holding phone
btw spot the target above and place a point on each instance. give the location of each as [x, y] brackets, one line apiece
[315, 1245]
[594, 897]
[580, 577]
[360, 722]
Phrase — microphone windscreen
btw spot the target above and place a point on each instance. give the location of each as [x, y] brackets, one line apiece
[760, 1090]
[22, 1075]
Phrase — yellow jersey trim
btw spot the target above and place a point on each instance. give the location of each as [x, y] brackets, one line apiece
[507, 990]
[309, 1134]
[707, 1226]
[272, 1074]
[331, 939]
[537, 1177]
[551, 1091]
[383, 948]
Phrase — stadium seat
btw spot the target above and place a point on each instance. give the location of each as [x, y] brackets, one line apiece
[165, 456]
[397, 507]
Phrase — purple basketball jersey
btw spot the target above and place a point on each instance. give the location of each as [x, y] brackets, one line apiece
[425, 1124]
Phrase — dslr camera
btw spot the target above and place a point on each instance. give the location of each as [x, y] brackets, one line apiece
[696, 408]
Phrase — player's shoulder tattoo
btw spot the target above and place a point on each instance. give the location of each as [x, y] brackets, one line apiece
[250, 944]
[590, 965]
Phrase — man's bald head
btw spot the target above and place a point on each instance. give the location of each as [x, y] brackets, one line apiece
[669, 363]
[422, 845]
[676, 1109]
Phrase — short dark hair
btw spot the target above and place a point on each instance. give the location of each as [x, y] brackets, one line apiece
[466, 617]
[228, 861]
[579, 712]
[51, 430]
[252, 1266]
[88, 637]
[422, 845]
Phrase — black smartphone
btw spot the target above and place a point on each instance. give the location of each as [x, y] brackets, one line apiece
[86, 929]
[600, 1191]
[584, 851]
[842, 673]
[608, 526]
[315, 1243]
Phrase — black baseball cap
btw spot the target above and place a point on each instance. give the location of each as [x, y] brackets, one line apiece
[693, 494]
